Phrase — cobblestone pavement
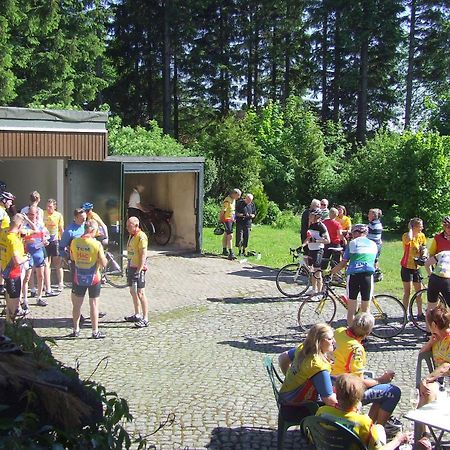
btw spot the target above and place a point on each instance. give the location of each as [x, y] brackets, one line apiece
[212, 323]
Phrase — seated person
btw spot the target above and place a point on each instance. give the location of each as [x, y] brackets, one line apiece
[438, 320]
[308, 377]
[349, 393]
[350, 357]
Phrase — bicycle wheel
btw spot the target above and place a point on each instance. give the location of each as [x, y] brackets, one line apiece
[417, 304]
[293, 280]
[115, 278]
[316, 309]
[390, 316]
[162, 233]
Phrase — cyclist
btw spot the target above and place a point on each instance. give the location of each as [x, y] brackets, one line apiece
[441, 241]
[35, 198]
[336, 237]
[359, 258]
[102, 233]
[375, 228]
[13, 258]
[227, 217]
[344, 220]
[6, 200]
[413, 243]
[439, 281]
[137, 268]
[316, 238]
[135, 207]
[87, 256]
[54, 222]
[304, 220]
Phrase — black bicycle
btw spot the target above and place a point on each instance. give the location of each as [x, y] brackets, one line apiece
[156, 224]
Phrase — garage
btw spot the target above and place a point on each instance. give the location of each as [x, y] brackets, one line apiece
[63, 155]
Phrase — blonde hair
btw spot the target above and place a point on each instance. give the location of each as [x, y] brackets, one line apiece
[349, 390]
[311, 345]
[415, 221]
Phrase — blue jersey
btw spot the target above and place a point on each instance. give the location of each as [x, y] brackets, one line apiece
[360, 254]
[71, 232]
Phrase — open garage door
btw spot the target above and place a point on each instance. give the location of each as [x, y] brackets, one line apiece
[102, 184]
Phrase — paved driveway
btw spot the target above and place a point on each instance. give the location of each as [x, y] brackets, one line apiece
[212, 322]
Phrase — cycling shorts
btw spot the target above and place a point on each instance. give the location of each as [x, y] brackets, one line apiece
[53, 248]
[37, 259]
[13, 287]
[360, 283]
[438, 285]
[315, 258]
[228, 225]
[409, 275]
[136, 278]
[386, 395]
[80, 291]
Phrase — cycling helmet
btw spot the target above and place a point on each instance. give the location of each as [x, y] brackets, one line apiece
[5, 196]
[2, 186]
[87, 206]
[360, 228]
[315, 212]
[446, 220]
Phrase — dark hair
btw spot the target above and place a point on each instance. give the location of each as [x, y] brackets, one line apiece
[78, 211]
[440, 316]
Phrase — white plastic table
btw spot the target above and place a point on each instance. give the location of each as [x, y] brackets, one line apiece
[436, 415]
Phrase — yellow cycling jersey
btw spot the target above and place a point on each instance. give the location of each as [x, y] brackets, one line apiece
[54, 223]
[349, 356]
[441, 350]
[411, 249]
[137, 244]
[10, 245]
[4, 218]
[85, 252]
[345, 222]
[360, 424]
[228, 209]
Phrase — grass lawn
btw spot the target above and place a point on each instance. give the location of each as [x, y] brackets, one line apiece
[273, 244]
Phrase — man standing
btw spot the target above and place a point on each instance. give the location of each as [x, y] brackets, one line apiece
[304, 221]
[137, 267]
[359, 255]
[135, 207]
[74, 230]
[13, 258]
[245, 212]
[227, 218]
[324, 208]
[87, 256]
[6, 200]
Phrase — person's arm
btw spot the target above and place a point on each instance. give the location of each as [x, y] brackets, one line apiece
[325, 236]
[433, 247]
[440, 371]
[383, 379]
[339, 266]
[61, 225]
[399, 439]
[101, 258]
[323, 385]
[142, 257]
[429, 262]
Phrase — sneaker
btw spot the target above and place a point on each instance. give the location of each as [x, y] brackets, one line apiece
[98, 335]
[231, 256]
[392, 426]
[132, 318]
[59, 288]
[142, 323]
[51, 294]
[101, 314]
[25, 309]
[41, 302]
[32, 294]
[74, 334]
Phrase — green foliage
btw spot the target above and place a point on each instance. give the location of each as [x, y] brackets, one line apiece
[261, 203]
[273, 213]
[229, 144]
[139, 141]
[211, 210]
[287, 220]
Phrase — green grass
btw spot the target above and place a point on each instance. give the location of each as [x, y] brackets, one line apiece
[273, 244]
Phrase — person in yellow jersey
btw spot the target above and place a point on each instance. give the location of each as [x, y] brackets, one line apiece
[6, 200]
[349, 393]
[102, 228]
[88, 257]
[137, 268]
[54, 222]
[227, 217]
[13, 259]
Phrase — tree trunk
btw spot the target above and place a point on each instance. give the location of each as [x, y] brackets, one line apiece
[273, 76]
[287, 59]
[337, 67]
[250, 61]
[361, 125]
[166, 70]
[324, 109]
[176, 123]
[410, 72]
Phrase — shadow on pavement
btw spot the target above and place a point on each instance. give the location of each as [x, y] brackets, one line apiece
[248, 300]
[244, 438]
[257, 273]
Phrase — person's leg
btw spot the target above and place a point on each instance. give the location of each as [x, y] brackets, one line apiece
[426, 395]
[406, 293]
[384, 399]
[433, 292]
[366, 290]
[47, 274]
[24, 289]
[93, 312]
[13, 288]
[143, 303]
[40, 281]
[445, 290]
[417, 287]
[351, 311]
[239, 236]
[353, 288]
[77, 301]
[247, 231]
[134, 296]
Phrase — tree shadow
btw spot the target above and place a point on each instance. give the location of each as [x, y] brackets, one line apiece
[246, 437]
[249, 300]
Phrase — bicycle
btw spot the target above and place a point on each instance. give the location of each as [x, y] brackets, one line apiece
[156, 223]
[294, 279]
[389, 312]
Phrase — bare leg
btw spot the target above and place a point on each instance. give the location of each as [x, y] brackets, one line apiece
[40, 280]
[47, 272]
[76, 311]
[406, 293]
[25, 282]
[143, 302]
[134, 296]
[417, 288]
[351, 311]
[59, 270]
[93, 309]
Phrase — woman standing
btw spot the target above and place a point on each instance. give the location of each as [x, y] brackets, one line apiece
[344, 220]
[414, 241]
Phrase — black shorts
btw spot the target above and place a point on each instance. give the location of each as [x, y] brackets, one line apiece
[136, 278]
[315, 258]
[409, 275]
[13, 287]
[53, 248]
[228, 226]
[360, 283]
[438, 285]
[80, 291]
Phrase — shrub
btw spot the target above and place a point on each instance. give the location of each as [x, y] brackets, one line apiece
[261, 203]
[211, 211]
[287, 219]
[273, 213]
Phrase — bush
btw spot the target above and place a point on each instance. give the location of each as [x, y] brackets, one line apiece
[211, 210]
[273, 213]
[261, 203]
[287, 219]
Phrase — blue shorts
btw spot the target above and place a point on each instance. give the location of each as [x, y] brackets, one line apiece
[387, 395]
[37, 259]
